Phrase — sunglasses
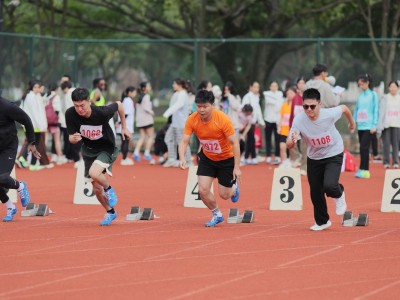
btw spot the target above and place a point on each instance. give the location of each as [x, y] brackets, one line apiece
[312, 106]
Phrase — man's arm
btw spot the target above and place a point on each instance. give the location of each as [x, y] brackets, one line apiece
[237, 174]
[182, 150]
[121, 112]
[346, 111]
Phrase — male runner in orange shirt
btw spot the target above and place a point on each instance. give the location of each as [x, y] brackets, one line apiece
[219, 156]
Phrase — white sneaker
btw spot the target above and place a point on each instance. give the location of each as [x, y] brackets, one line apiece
[285, 164]
[61, 160]
[127, 162]
[254, 161]
[54, 157]
[316, 227]
[341, 205]
[268, 160]
[276, 161]
[170, 163]
[49, 166]
[303, 172]
[161, 160]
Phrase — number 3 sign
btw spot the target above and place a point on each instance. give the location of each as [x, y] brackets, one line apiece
[286, 191]
[391, 192]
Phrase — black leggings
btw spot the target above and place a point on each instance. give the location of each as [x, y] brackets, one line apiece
[270, 128]
[124, 146]
[364, 137]
[7, 160]
[250, 143]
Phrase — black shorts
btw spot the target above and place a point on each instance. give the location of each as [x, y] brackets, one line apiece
[282, 139]
[222, 169]
[145, 127]
[103, 158]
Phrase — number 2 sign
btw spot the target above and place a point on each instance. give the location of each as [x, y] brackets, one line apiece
[286, 191]
[391, 192]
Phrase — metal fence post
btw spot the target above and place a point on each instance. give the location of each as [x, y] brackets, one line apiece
[195, 62]
[30, 58]
[75, 66]
[318, 50]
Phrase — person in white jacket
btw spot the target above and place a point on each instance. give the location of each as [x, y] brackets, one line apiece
[179, 113]
[231, 105]
[253, 98]
[273, 104]
[34, 107]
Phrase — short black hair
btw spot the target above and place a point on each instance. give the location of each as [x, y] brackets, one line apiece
[247, 108]
[67, 76]
[204, 96]
[318, 69]
[312, 94]
[65, 85]
[80, 94]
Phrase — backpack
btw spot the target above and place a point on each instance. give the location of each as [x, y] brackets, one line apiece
[349, 165]
[51, 115]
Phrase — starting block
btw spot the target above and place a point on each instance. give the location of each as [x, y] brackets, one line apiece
[136, 214]
[33, 209]
[349, 220]
[235, 216]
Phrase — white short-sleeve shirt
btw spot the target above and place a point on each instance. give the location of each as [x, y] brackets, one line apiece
[321, 136]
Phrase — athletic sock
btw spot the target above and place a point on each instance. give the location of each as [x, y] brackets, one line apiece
[216, 212]
[111, 211]
[9, 204]
[136, 152]
[109, 187]
[21, 186]
[146, 152]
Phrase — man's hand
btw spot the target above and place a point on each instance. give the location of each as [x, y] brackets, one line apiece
[352, 127]
[35, 153]
[373, 130]
[126, 134]
[76, 137]
[237, 174]
[182, 164]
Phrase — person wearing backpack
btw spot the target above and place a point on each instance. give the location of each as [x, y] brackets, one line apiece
[53, 109]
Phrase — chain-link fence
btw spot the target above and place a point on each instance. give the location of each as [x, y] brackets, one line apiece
[128, 62]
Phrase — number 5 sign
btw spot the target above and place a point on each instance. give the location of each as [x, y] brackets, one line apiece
[391, 192]
[84, 193]
[286, 191]
[192, 197]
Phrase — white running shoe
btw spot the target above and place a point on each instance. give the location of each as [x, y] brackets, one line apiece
[61, 160]
[341, 205]
[127, 162]
[170, 163]
[316, 227]
[268, 160]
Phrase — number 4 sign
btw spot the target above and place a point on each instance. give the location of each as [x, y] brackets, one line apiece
[391, 192]
[286, 191]
[192, 197]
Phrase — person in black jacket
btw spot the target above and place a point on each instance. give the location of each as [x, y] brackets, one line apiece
[9, 114]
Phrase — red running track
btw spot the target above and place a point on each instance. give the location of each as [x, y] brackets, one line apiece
[67, 255]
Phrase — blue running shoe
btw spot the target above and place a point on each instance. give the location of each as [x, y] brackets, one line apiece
[148, 157]
[108, 218]
[235, 197]
[24, 194]
[358, 174]
[111, 197]
[214, 221]
[10, 214]
[136, 157]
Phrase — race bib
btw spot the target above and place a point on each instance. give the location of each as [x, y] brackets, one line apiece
[212, 146]
[285, 119]
[297, 109]
[392, 114]
[362, 115]
[92, 132]
[321, 141]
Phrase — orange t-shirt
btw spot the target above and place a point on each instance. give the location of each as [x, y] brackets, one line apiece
[285, 117]
[213, 134]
